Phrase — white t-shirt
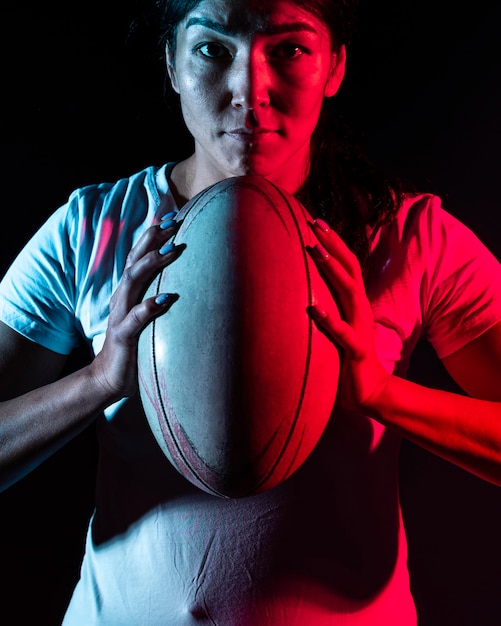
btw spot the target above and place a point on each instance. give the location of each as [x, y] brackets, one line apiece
[326, 547]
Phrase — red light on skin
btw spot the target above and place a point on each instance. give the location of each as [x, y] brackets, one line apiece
[251, 100]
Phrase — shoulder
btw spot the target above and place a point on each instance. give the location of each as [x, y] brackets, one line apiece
[423, 223]
[419, 213]
[135, 191]
[431, 274]
[460, 277]
[106, 209]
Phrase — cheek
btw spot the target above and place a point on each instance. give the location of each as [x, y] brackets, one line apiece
[194, 105]
[194, 83]
[309, 79]
[200, 94]
[304, 125]
[303, 93]
[303, 107]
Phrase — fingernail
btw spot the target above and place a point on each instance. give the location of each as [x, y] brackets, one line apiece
[321, 225]
[317, 313]
[162, 298]
[167, 224]
[166, 248]
[320, 252]
[168, 216]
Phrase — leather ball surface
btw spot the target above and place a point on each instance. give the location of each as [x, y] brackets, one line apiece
[236, 381]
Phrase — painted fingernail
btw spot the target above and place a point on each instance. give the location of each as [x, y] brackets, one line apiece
[168, 216]
[321, 225]
[166, 248]
[162, 298]
[167, 224]
[317, 313]
[320, 252]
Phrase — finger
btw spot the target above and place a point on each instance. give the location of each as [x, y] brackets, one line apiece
[147, 310]
[336, 247]
[347, 290]
[338, 331]
[153, 238]
[331, 266]
[137, 277]
[143, 313]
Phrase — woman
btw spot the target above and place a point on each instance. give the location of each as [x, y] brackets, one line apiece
[327, 546]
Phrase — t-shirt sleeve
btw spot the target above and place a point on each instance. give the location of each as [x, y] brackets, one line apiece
[462, 286]
[37, 293]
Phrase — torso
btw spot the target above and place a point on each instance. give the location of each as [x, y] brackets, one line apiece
[327, 546]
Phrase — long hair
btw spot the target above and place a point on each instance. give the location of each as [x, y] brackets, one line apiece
[343, 186]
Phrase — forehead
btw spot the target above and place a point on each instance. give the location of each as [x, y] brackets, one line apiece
[252, 16]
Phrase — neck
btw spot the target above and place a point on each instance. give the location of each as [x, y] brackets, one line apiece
[187, 179]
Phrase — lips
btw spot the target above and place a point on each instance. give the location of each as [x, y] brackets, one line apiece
[249, 135]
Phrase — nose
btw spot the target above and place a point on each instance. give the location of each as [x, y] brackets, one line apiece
[250, 82]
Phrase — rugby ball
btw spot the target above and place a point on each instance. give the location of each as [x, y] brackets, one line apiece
[236, 381]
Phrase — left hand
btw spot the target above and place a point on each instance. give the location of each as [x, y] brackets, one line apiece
[362, 378]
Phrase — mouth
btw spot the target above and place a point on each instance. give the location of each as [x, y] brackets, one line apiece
[249, 135]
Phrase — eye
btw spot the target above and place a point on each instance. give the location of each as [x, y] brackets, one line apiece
[212, 50]
[287, 51]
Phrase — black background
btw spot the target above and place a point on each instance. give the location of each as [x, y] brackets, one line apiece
[82, 102]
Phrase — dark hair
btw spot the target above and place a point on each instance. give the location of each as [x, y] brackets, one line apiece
[348, 190]
[343, 186]
[338, 15]
[171, 14]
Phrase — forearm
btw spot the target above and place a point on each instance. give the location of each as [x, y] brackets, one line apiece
[464, 430]
[36, 424]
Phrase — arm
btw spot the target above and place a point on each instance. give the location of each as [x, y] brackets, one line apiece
[39, 412]
[464, 430]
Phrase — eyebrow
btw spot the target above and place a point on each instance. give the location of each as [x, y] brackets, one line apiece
[271, 29]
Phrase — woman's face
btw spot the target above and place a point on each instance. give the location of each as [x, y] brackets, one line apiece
[252, 86]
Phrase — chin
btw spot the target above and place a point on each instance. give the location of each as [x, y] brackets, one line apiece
[249, 164]
[256, 165]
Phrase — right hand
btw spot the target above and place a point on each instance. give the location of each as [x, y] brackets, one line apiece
[115, 367]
